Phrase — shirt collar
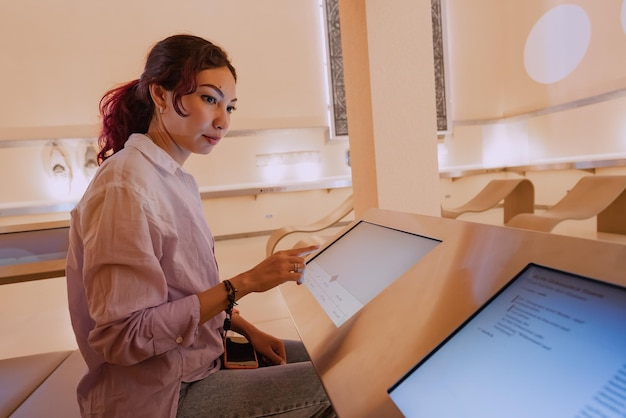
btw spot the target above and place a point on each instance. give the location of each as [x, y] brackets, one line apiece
[154, 153]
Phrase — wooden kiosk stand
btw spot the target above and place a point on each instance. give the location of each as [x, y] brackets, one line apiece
[362, 357]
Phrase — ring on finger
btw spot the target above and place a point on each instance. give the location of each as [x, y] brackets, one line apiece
[296, 268]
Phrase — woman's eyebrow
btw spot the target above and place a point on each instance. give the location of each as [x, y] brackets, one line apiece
[214, 87]
[217, 89]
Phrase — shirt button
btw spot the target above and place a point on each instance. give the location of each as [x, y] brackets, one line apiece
[179, 340]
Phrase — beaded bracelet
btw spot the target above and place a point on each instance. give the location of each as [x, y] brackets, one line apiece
[231, 291]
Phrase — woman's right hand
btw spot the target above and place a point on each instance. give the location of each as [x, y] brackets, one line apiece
[278, 268]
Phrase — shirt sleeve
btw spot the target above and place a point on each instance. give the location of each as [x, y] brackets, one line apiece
[125, 284]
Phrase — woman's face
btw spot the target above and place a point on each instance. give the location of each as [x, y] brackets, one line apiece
[208, 111]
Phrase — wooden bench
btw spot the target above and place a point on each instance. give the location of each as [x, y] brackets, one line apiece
[601, 196]
[327, 221]
[518, 196]
[41, 385]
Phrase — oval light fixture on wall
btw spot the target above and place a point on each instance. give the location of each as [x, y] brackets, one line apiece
[557, 43]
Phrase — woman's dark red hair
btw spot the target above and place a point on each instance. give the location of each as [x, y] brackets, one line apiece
[173, 63]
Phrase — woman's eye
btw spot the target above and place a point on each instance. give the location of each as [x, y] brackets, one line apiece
[209, 99]
[231, 109]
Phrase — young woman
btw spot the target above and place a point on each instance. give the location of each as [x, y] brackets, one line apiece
[146, 300]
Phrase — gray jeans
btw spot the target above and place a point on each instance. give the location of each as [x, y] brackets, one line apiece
[292, 390]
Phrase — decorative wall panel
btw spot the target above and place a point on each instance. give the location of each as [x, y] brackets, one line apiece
[339, 114]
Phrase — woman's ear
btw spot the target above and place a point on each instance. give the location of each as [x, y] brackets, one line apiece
[159, 97]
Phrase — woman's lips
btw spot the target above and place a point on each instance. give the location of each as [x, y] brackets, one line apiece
[212, 139]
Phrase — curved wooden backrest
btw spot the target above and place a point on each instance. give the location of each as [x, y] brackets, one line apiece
[602, 196]
[518, 196]
[327, 221]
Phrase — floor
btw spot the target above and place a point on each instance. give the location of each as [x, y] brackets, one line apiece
[34, 316]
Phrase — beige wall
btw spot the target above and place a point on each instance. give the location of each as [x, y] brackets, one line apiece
[487, 40]
[580, 117]
[59, 57]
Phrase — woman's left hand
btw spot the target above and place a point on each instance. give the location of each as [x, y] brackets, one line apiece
[271, 348]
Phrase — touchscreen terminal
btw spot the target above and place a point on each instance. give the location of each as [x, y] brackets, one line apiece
[549, 344]
[356, 267]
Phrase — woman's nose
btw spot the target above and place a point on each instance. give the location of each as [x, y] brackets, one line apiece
[222, 121]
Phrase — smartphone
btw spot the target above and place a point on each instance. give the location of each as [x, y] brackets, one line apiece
[239, 353]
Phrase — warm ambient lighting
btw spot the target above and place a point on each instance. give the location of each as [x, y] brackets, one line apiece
[290, 166]
[442, 155]
[70, 166]
[59, 169]
[505, 144]
[287, 158]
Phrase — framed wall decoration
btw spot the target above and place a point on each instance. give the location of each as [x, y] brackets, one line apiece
[338, 110]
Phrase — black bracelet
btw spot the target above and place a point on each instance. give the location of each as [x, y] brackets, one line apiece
[231, 291]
